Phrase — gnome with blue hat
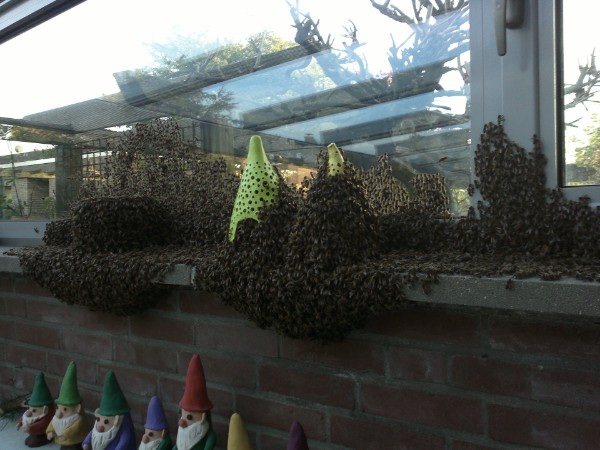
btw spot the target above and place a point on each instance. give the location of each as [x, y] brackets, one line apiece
[113, 429]
[156, 429]
[69, 426]
[40, 410]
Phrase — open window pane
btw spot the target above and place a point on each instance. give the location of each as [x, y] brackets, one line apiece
[581, 75]
[374, 77]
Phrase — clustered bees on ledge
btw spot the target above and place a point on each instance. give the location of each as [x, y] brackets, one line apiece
[315, 261]
[64, 420]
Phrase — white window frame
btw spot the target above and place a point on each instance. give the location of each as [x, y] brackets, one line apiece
[18, 16]
[522, 85]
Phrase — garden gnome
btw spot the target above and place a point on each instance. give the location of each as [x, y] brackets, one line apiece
[195, 427]
[156, 429]
[113, 429]
[297, 438]
[237, 438]
[40, 410]
[69, 425]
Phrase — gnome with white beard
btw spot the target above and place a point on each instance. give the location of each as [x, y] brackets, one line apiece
[113, 429]
[156, 429]
[69, 426]
[40, 409]
[195, 427]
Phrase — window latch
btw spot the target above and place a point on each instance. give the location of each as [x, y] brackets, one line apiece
[507, 14]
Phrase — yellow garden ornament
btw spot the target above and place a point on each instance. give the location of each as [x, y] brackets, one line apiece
[258, 188]
[237, 438]
[335, 164]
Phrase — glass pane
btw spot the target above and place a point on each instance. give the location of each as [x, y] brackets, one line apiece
[375, 77]
[581, 77]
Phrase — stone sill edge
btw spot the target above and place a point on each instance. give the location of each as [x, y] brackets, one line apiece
[566, 297]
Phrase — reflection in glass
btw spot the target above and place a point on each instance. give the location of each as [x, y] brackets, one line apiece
[375, 77]
[581, 84]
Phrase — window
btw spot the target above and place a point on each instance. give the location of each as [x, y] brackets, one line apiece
[374, 79]
[581, 103]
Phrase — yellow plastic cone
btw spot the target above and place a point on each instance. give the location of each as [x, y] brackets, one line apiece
[258, 188]
[335, 164]
[237, 438]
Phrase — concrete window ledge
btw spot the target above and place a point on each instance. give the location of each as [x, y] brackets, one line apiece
[567, 296]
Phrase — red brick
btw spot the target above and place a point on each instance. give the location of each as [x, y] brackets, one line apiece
[272, 442]
[363, 435]
[280, 416]
[539, 429]
[205, 304]
[6, 328]
[6, 283]
[25, 357]
[350, 355]
[37, 335]
[546, 337]
[439, 410]
[95, 346]
[492, 376]
[460, 445]
[16, 307]
[238, 338]
[24, 379]
[145, 355]
[153, 326]
[579, 389]
[91, 397]
[7, 377]
[223, 401]
[74, 315]
[428, 325]
[28, 287]
[170, 389]
[417, 365]
[223, 370]
[334, 390]
[170, 302]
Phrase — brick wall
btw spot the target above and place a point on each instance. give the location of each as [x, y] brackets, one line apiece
[423, 378]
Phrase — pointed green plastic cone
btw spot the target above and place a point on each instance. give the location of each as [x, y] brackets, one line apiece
[335, 164]
[258, 188]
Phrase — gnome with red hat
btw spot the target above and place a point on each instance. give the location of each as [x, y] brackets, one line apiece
[113, 429]
[156, 429]
[40, 409]
[69, 426]
[195, 427]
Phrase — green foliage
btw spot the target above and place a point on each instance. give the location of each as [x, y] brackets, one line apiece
[588, 156]
[184, 52]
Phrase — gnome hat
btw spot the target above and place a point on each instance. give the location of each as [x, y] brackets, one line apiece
[113, 401]
[156, 419]
[40, 396]
[237, 439]
[195, 397]
[69, 394]
[297, 438]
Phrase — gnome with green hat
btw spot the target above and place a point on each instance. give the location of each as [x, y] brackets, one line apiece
[113, 429]
[40, 409]
[69, 425]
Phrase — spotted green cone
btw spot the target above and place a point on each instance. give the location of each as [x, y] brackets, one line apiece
[258, 188]
[335, 164]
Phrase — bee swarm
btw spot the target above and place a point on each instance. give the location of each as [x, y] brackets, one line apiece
[321, 259]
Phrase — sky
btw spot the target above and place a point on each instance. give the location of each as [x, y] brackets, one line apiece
[73, 57]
